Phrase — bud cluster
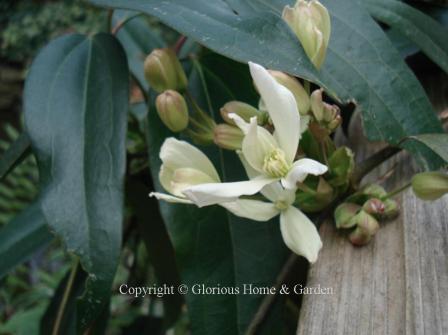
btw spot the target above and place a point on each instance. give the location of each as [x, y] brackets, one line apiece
[327, 117]
[362, 212]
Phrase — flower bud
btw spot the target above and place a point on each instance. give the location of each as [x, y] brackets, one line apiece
[317, 105]
[245, 111]
[328, 116]
[374, 207]
[366, 228]
[228, 137]
[310, 21]
[173, 111]
[341, 164]
[344, 215]
[296, 88]
[430, 185]
[391, 209]
[163, 71]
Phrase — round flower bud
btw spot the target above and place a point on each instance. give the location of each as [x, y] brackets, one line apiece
[374, 207]
[366, 228]
[245, 111]
[172, 109]
[344, 215]
[296, 88]
[430, 185]
[310, 21]
[163, 71]
[228, 137]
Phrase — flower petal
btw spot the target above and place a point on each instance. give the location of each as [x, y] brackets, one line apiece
[282, 108]
[300, 234]
[252, 209]
[177, 154]
[300, 171]
[170, 198]
[183, 178]
[257, 144]
[240, 122]
[216, 193]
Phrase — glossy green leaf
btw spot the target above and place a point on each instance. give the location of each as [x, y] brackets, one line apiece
[361, 65]
[418, 27]
[22, 237]
[18, 150]
[76, 103]
[436, 142]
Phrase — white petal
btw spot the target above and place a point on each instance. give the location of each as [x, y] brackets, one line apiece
[250, 171]
[252, 209]
[300, 234]
[210, 194]
[170, 198]
[180, 154]
[240, 123]
[282, 108]
[300, 171]
[183, 178]
[276, 193]
[257, 144]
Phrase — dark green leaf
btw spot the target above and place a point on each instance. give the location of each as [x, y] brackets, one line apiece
[22, 237]
[436, 142]
[18, 150]
[361, 64]
[76, 103]
[421, 29]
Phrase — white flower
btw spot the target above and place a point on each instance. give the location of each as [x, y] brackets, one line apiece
[272, 156]
[298, 232]
[183, 165]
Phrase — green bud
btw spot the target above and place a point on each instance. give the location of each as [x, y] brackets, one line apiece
[296, 88]
[326, 115]
[344, 215]
[430, 185]
[374, 207]
[163, 71]
[228, 137]
[243, 110]
[173, 111]
[310, 21]
[391, 209]
[317, 105]
[366, 228]
[342, 165]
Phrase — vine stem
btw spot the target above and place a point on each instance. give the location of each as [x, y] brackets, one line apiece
[68, 288]
[179, 44]
[397, 191]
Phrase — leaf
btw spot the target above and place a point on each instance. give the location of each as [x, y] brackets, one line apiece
[76, 103]
[18, 150]
[421, 29]
[436, 142]
[22, 237]
[158, 245]
[361, 64]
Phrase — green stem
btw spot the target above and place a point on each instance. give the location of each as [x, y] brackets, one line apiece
[397, 191]
[62, 307]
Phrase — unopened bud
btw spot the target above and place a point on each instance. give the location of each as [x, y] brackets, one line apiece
[228, 137]
[430, 185]
[310, 21]
[391, 209]
[374, 190]
[296, 88]
[163, 71]
[332, 116]
[173, 111]
[374, 207]
[366, 228]
[243, 110]
[317, 105]
[344, 215]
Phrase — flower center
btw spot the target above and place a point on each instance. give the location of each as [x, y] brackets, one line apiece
[281, 205]
[275, 163]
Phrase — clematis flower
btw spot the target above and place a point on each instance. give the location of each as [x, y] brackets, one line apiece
[271, 155]
[298, 232]
[183, 165]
